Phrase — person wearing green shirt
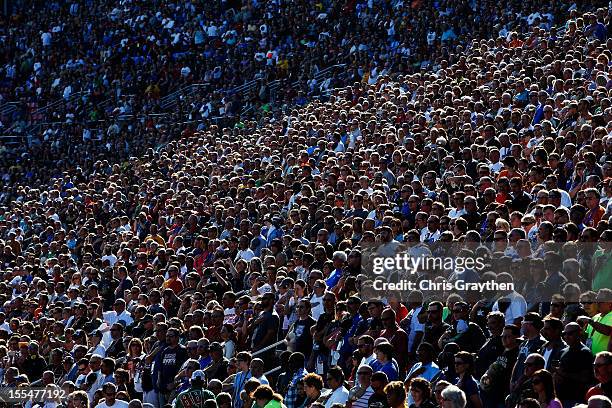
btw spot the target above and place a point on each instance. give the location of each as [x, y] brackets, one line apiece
[265, 397]
[599, 326]
[602, 264]
[195, 396]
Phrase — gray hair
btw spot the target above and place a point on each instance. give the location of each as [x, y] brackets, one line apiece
[455, 395]
[340, 255]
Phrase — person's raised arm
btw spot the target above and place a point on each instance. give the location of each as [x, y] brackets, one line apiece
[599, 327]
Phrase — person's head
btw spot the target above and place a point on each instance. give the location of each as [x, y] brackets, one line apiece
[243, 360]
[303, 308]
[530, 403]
[198, 379]
[296, 361]
[599, 401]
[453, 397]
[109, 391]
[396, 394]
[571, 334]
[80, 399]
[335, 377]
[224, 400]
[434, 312]
[249, 386]
[533, 363]
[364, 375]
[510, 336]
[438, 388]
[552, 328]
[532, 324]
[420, 389]
[257, 367]
[495, 323]
[379, 381]
[375, 307]
[425, 352]
[267, 301]
[313, 384]
[215, 386]
[365, 345]
[384, 352]
[602, 367]
[264, 394]
[542, 381]
[172, 336]
[464, 363]
[388, 318]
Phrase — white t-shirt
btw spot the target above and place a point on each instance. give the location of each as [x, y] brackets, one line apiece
[317, 306]
[517, 308]
[111, 259]
[338, 396]
[117, 404]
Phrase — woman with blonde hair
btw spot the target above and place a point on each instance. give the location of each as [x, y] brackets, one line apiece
[501, 224]
[396, 394]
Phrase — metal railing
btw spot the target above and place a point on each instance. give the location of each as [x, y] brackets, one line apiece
[12, 140]
[271, 346]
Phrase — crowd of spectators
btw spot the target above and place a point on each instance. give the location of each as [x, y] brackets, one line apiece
[202, 265]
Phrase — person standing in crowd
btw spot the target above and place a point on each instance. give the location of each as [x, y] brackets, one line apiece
[574, 374]
[195, 394]
[602, 369]
[599, 326]
[360, 394]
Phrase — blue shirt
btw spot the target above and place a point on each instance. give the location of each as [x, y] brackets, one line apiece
[334, 278]
[239, 381]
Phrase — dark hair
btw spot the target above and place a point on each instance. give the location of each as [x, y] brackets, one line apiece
[514, 329]
[554, 323]
[422, 385]
[266, 392]
[386, 349]
[549, 386]
[467, 358]
[244, 355]
[336, 373]
[313, 380]
[529, 403]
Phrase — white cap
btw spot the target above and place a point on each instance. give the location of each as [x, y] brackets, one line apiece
[198, 374]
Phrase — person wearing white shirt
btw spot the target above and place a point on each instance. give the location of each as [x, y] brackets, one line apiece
[112, 317]
[425, 368]
[110, 398]
[257, 371]
[316, 300]
[365, 345]
[518, 306]
[432, 232]
[339, 394]
[244, 252]
[95, 364]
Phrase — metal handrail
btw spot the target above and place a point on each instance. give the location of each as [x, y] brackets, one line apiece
[271, 346]
[273, 370]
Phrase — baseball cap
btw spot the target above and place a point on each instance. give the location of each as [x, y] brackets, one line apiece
[198, 374]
